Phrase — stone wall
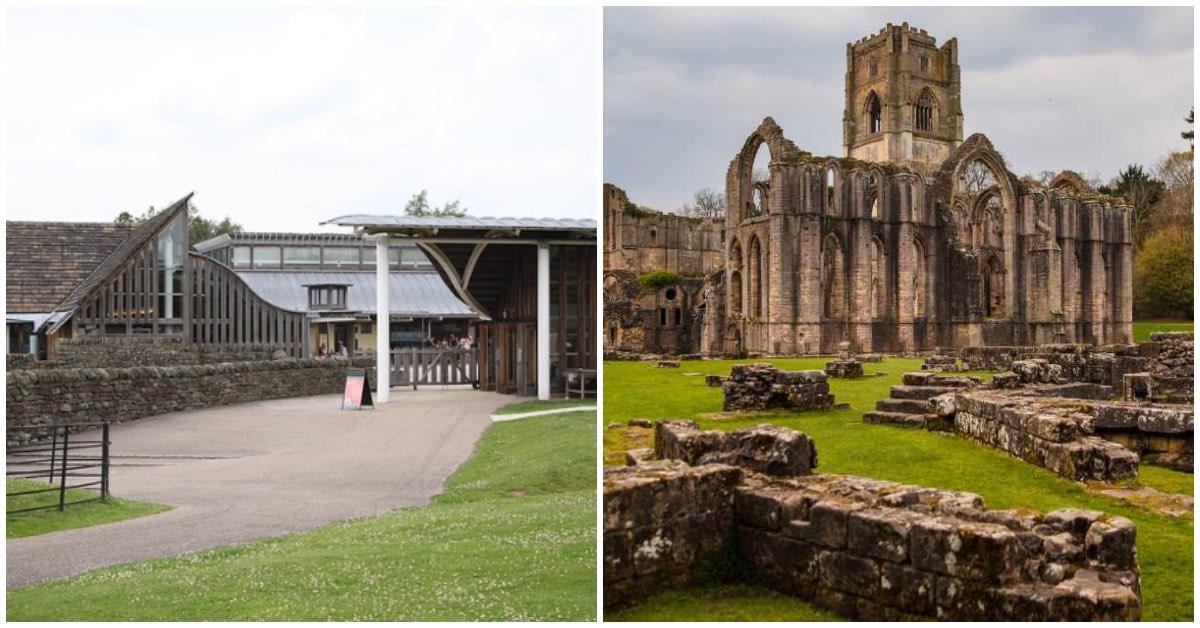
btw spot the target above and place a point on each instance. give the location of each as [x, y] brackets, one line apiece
[764, 387]
[868, 549]
[127, 351]
[666, 523]
[39, 397]
[1057, 437]
[764, 448]
[1078, 362]
[1076, 438]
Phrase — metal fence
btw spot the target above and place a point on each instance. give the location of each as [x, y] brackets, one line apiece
[66, 461]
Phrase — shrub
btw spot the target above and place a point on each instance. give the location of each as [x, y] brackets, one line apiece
[659, 278]
[1162, 275]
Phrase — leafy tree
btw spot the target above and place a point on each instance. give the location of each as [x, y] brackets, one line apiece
[707, 203]
[1162, 275]
[418, 205]
[1142, 191]
[199, 228]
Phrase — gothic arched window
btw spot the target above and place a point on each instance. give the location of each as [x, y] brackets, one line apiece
[874, 113]
[924, 118]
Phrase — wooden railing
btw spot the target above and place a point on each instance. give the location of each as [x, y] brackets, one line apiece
[415, 367]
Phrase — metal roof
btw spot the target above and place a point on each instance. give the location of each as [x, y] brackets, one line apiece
[411, 293]
[484, 223]
[279, 237]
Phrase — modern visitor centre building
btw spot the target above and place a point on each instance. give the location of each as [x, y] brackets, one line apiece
[532, 282]
[522, 289]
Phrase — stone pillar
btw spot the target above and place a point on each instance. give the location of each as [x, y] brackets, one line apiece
[906, 297]
[859, 259]
[383, 330]
[1124, 322]
[543, 321]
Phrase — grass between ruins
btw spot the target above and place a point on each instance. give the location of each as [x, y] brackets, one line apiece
[845, 444]
[512, 537]
[73, 516]
[1143, 329]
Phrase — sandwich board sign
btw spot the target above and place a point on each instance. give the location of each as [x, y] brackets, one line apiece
[357, 392]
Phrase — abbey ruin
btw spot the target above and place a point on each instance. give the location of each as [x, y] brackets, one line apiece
[913, 239]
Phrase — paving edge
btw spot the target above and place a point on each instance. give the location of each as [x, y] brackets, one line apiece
[528, 415]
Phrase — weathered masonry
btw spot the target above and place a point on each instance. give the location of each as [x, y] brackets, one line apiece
[914, 238]
[70, 280]
[746, 506]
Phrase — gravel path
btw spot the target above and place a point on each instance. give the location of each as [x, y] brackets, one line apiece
[263, 469]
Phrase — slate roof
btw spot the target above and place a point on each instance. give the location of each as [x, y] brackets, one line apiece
[45, 261]
[412, 293]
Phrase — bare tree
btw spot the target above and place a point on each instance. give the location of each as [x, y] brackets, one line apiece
[707, 203]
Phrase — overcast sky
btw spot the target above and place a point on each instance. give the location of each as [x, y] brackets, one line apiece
[282, 118]
[1085, 89]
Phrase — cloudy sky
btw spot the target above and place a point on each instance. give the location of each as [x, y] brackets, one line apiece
[282, 118]
[1086, 89]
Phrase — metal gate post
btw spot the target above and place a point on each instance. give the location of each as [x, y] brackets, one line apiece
[104, 466]
[62, 484]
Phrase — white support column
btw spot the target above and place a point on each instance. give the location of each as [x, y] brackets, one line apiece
[383, 328]
[543, 320]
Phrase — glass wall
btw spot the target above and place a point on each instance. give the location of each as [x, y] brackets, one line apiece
[302, 257]
[170, 249]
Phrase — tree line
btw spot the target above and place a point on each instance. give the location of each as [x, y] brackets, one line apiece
[201, 228]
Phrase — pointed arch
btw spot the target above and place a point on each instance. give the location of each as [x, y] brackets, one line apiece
[873, 113]
[877, 282]
[833, 277]
[918, 279]
[754, 278]
[925, 110]
[993, 288]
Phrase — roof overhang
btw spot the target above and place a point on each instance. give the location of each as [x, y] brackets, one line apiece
[466, 230]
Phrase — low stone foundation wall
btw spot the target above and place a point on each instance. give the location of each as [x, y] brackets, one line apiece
[765, 448]
[1055, 436]
[869, 549]
[764, 387]
[666, 523]
[845, 369]
[1076, 438]
[39, 397]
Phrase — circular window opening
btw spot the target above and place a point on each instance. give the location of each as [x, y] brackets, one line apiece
[670, 294]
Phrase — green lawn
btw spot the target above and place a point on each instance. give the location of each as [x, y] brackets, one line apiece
[513, 537]
[1143, 329]
[847, 445]
[73, 516]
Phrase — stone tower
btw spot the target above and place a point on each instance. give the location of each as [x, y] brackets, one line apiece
[903, 98]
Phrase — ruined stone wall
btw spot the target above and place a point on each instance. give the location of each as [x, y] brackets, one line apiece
[666, 319]
[90, 395]
[868, 549]
[666, 524]
[764, 387]
[1076, 438]
[1105, 364]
